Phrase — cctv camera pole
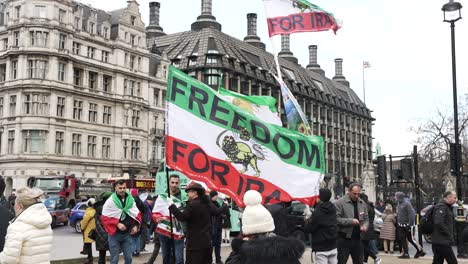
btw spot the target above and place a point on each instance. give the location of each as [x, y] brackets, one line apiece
[417, 192]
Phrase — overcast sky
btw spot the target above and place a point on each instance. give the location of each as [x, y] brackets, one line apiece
[406, 43]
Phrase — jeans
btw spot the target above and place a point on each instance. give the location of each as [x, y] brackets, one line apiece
[136, 244]
[166, 250]
[373, 247]
[117, 241]
[326, 257]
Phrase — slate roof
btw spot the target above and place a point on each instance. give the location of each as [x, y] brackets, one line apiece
[250, 60]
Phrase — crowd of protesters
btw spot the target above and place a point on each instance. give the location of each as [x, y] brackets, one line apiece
[124, 222]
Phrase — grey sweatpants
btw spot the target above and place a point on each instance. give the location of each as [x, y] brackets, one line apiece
[326, 257]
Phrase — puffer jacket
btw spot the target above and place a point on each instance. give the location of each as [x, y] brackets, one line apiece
[88, 223]
[102, 242]
[266, 250]
[29, 237]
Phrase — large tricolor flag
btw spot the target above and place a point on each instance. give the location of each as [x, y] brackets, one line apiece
[232, 151]
[113, 211]
[289, 16]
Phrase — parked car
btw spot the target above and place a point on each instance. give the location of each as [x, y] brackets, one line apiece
[57, 207]
[76, 215]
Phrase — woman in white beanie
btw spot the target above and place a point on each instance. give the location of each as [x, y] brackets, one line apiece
[29, 236]
[258, 244]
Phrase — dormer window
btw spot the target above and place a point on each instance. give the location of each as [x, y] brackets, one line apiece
[133, 20]
[91, 28]
[105, 32]
[211, 59]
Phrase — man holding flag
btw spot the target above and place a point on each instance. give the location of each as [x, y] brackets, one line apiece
[121, 219]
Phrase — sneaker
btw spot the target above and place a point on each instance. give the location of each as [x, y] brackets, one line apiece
[404, 256]
[82, 252]
[377, 260]
[419, 254]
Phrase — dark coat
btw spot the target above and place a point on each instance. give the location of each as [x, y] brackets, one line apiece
[266, 250]
[5, 217]
[226, 223]
[216, 219]
[279, 212]
[197, 216]
[323, 226]
[101, 234]
[443, 225]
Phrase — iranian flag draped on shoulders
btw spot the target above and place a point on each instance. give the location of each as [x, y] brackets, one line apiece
[214, 139]
[289, 16]
[117, 210]
[161, 216]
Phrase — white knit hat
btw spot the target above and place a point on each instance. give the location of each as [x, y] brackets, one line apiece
[256, 219]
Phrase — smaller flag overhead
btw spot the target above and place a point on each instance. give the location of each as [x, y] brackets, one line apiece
[366, 64]
[289, 16]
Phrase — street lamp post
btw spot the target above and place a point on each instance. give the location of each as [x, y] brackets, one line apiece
[452, 13]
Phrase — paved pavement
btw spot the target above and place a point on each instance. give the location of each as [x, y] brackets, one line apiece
[67, 245]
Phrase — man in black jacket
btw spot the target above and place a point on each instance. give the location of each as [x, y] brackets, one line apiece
[442, 236]
[216, 228]
[323, 227]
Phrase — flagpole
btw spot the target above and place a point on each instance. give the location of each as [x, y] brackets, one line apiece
[363, 83]
[172, 245]
[278, 72]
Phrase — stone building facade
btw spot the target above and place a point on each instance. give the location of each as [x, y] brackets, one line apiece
[80, 92]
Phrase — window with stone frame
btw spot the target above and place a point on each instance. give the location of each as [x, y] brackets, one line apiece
[91, 146]
[92, 113]
[60, 106]
[76, 144]
[59, 142]
[106, 147]
[36, 104]
[34, 141]
[77, 109]
[39, 38]
[106, 115]
[135, 151]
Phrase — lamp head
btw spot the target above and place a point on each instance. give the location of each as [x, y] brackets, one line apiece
[452, 11]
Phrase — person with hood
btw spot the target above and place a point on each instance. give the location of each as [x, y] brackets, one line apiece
[370, 235]
[405, 219]
[388, 230]
[197, 215]
[87, 225]
[29, 236]
[322, 225]
[258, 244]
[442, 236]
[353, 219]
[102, 243]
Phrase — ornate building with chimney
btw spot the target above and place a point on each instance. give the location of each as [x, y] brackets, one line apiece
[218, 59]
[80, 93]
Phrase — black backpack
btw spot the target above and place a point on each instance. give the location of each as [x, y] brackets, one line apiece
[426, 226]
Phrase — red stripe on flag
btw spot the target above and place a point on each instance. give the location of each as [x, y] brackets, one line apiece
[220, 175]
[301, 22]
[110, 224]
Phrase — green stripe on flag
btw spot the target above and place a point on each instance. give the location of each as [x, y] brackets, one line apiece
[200, 100]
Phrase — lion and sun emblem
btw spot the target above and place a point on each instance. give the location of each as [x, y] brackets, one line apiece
[241, 149]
